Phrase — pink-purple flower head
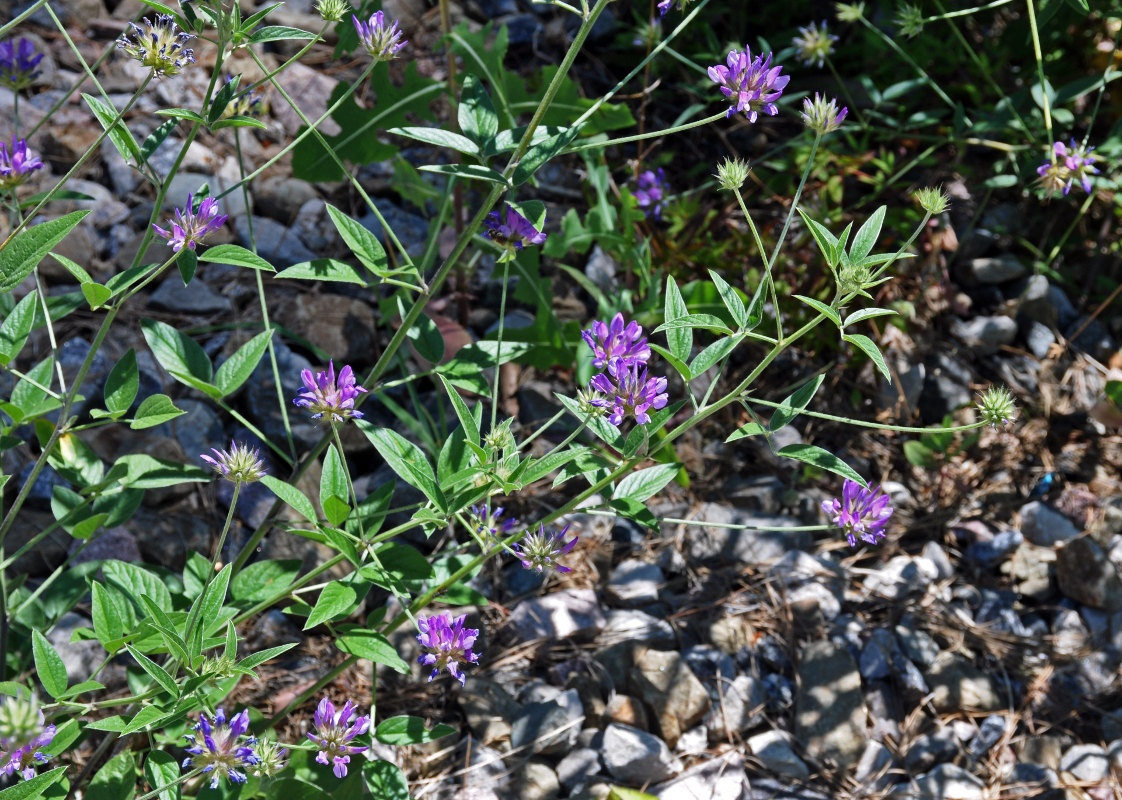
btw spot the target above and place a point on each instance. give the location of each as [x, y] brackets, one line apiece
[446, 644]
[323, 395]
[666, 5]
[218, 749]
[861, 513]
[241, 464]
[159, 45]
[814, 44]
[189, 227]
[751, 83]
[19, 63]
[23, 735]
[651, 192]
[630, 394]
[335, 732]
[17, 163]
[1067, 166]
[616, 345]
[511, 231]
[540, 550]
[380, 41]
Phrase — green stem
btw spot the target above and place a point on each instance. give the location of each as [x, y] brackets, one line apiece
[649, 135]
[767, 265]
[193, 617]
[863, 424]
[1045, 104]
[181, 779]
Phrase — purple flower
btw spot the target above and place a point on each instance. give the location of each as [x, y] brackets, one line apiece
[822, 115]
[381, 43]
[23, 735]
[323, 396]
[814, 44]
[16, 163]
[513, 233]
[160, 47]
[334, 730]
[240, 465]
[753, 84]
[1066, 166]
[616, 346]
[215, 747]
[446, 644]
[18, 62]
[189, 227]
[666, 5]
[540, 551]
[487, 522]
[246, 104]
[651, 192]
[632, 393]
[860, 512]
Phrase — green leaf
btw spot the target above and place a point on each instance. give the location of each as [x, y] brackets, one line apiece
[276, 33]
[235, 256]
[156, 672]
[324, 269]
[920, 455]
[333, 487]
[188, 263]
[823, 459]
[538, 468]
[827, 242]
[153, 411]
[604, 430]
[17, 327]
[364, 244]
[251, 661]
[707, 321]
[236, 369]
[212, 599]
[385, 781]
[678, 340]
[48, 665]
[622, 793]
[473, 172]
[440, 138]
[635, 510]
[179, 354]
[137, 582]
[750, 429]
[404, 730]
[122, 384]
[797, 402]
[829, 312]
[118, 133]
[146, 718]
[868, 313]
[406, 459]
[537, 155]
[425, 337]
[712, 354]
[19, 256]
[373, 646]
[731, 299]
[645, 483]
[108, 616]
[145, 472]
[396, 563]
[867, 236]
[292, 496]
[222, 99]
[153, 140]
[34, 788]
[467, 421]
[181, 113]
[476, 113]
[869, 347]
[162, 769]
[262, 579]
[336, 600]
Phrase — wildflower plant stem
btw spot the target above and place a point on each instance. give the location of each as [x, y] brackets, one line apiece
[748, 400]
[193, 617]
[1045, 103]
[178, 781]
[650, 135]
[767, 265]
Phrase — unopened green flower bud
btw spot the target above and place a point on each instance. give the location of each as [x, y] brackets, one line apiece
[270, 758]
[932, 200]
[996, 406]
[822, 115]
[333, 10]
[909, 20]
[854, 278]
[732, 172]
[500, 438]
[850, 12]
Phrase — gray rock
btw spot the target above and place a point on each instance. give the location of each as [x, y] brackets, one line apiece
[114, 543]
[1069, 634]
[721, 778]
[664, 681]
[739, 545]
[49, 553]
[935, 553]
[568, 612]
[550, 727]
[279, 245]
[578, 766]
[534, 781]
[1086, 762]
[411, 230]
[947, 782]
[166, 538]
[957, 685]
[260, 396]
[628, 624]
[1032, 569]
[873, 770]
[901, 576]
[875, 656]
[709, 664]
[488, 709]
[931, 749]
[985, 335]
[989, 552]
[1001, 269]
[773, 748]
[635, 582]
[72, 353]
[1042, 525]
[738, 707]
[637, 757]
[80, 658]
[601, 269]
[945, 388]
[1039, 338]
[281, 197]
[1086, 575]
[1034, 781]
[198, 431]
[989, 734]
[1064, 309]
[917, 644]
[829, 707]
[1034, 301]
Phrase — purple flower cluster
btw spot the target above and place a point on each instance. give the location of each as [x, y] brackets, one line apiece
[540, 551]
[335, 730]
[1067, 166]
[18, 63]
[860, 512]
[511, 231]
[651, 192]
[23, 735]
[189, 227]
[622, 351]
[751, 83]
[380, 41]
[16, 163]
[216, 749]
[160, 47]
[323, 395]
[241, 464]
[446, 644]
[245, 104]
[487, 523]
